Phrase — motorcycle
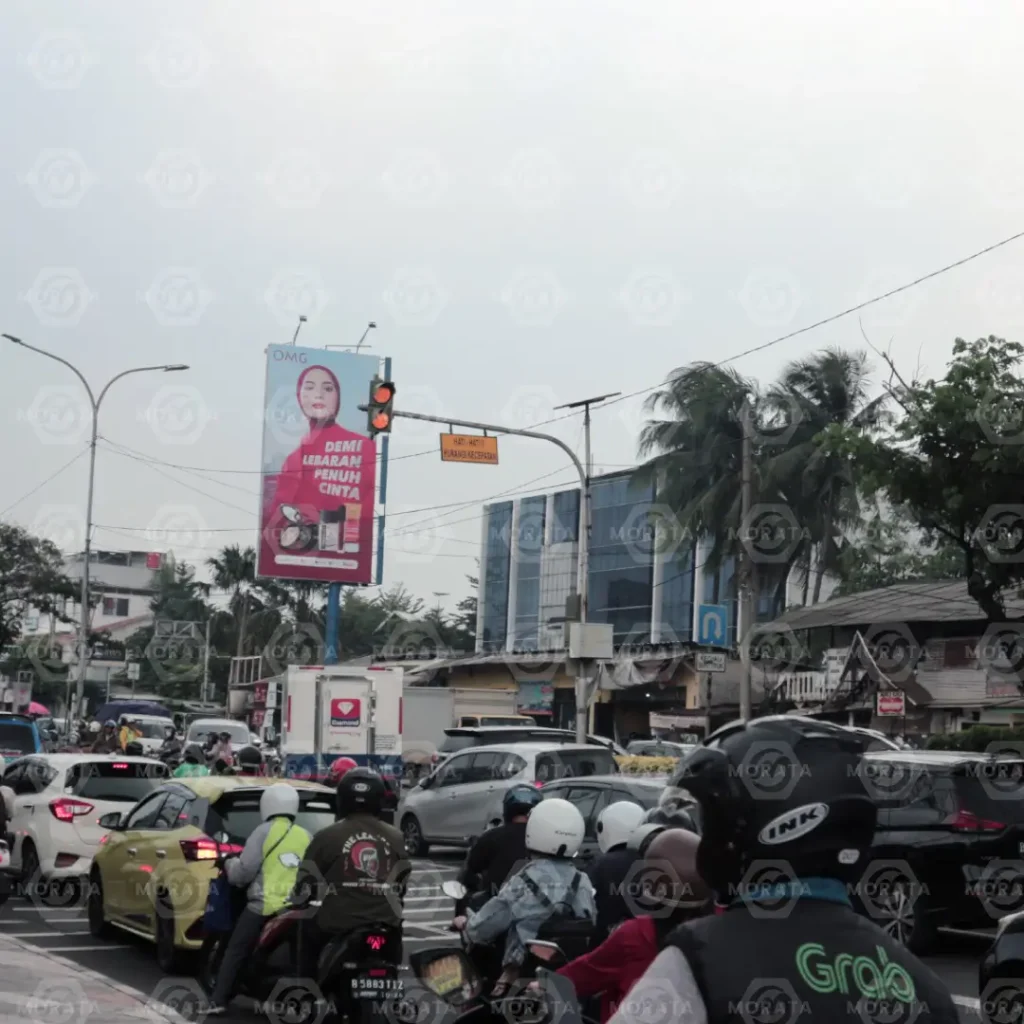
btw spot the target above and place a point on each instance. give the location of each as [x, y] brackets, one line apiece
[448, 977]
[7, 877]
[356, 971]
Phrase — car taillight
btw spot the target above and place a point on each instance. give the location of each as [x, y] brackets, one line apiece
[122, 766]
[965, 821]
[204, 848]
[66, 809]
[538, 783]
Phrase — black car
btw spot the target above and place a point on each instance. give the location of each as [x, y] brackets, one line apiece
[949, 845]
[1001, 971]
[593, 794]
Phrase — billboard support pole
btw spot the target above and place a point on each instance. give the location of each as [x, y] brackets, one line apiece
[333, 623]
[582, 574]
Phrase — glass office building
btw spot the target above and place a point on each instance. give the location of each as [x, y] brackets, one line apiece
[646, 584]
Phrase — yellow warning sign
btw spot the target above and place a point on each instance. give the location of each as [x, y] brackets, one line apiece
[469, 448]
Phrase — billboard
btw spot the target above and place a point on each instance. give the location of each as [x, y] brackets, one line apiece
[319, 467]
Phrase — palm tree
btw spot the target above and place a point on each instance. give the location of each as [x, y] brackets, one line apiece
[234, 571]
[829, 388]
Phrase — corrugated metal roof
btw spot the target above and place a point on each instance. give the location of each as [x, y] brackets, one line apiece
[946, 601]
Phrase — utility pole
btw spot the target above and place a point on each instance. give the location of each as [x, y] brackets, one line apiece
[746, 557]
[94, 404]
[584, 709]
[206, 663]
[298, 327]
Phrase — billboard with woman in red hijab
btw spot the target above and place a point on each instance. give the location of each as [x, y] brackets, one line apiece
[319, 467]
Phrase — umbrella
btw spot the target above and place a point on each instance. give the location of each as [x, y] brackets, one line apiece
[35, 708]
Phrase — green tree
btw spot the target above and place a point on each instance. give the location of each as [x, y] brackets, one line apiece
[31, 576]
[888, 549]
[234, 571]
[953, 463]
[463, 627]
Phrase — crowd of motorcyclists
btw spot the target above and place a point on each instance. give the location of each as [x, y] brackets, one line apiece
[668, 909]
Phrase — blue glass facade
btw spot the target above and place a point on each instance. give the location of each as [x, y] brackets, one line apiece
[529, 545]
[495, 571]
[621, 558]
[622, 582]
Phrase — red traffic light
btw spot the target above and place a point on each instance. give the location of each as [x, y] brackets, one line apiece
[381, 421]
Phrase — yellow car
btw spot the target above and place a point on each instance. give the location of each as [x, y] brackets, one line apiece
[151, 872]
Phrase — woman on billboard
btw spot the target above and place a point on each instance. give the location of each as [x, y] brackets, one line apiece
[318, 499]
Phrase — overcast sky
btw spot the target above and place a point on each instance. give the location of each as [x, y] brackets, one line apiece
[536, 203]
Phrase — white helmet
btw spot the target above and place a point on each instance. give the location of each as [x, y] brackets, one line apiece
[279, 799]
[616, 823]
[555, 829]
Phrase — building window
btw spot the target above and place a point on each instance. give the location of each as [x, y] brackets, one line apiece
[565, 525]
[495, 571]
[116, 606]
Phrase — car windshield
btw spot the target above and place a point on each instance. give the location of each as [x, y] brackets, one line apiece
[238, 814]
[201, 733]
[16, 738]
[153, 730]
[120, 781]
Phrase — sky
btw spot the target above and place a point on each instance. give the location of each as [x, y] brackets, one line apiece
[535, 203]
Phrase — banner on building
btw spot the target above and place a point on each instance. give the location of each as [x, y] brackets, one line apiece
[535, 698]
[319, 467]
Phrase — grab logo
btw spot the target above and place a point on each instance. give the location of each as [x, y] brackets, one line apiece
[346, 713]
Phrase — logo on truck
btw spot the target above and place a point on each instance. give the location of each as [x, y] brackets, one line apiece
[346, 713]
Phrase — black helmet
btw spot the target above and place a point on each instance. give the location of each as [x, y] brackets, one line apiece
[134, 749]
[194, 754]
[519, 800]
[782, 788]
[361, 790]
[250, 757]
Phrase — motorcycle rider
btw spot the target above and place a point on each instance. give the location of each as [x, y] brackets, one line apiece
[548, 886]
[785, 850]
[339, 767]
[615, 825]
[221, 750]
[128, 732]
[673, 892]
[250, 761]
[194, 764]
[107, 742]
[499, 852]
[268, 865]
[357, 867]
[171, 746]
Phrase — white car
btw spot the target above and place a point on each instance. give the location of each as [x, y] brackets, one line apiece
[57, 801]
[154, 731]
[202, 728]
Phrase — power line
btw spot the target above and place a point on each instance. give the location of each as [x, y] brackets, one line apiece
[52, 476]
[838, 316]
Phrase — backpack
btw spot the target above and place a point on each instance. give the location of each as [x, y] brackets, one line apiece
[572, 933]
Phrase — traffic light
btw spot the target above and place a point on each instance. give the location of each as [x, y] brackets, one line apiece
[379, 408]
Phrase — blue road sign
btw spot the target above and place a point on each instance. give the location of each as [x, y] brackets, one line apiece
[712, 624]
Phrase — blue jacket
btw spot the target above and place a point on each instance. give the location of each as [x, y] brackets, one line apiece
[518, 912]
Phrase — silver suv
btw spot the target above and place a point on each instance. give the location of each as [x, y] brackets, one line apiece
[457, 803]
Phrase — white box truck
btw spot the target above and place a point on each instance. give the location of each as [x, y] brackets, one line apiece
[341, 711]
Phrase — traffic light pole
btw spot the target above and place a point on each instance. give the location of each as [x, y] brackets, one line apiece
[582, 573]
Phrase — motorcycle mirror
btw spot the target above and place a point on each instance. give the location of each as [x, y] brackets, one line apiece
[456, 890]
[222, 838]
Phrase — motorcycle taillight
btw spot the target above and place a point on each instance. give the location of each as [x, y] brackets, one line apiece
[376, 942]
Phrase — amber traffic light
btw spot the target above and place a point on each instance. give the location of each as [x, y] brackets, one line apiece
[379, 408]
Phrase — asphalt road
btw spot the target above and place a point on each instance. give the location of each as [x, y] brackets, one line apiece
[131, 961]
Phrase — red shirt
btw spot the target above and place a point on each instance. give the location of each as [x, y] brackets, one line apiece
[328, 456]
[616, 965]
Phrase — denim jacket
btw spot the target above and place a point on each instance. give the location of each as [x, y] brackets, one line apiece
[518, 913]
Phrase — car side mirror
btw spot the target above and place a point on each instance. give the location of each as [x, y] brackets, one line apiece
[454, 890]
[426, 782]
[113, 821]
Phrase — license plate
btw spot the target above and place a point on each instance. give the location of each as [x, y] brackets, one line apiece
[373, 988]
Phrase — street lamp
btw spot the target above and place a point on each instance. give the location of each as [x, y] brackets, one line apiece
[83, 635]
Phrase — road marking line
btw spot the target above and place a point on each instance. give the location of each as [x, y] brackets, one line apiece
[423, 899]
[79, 949]
[47, 935]
[968, 1003]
